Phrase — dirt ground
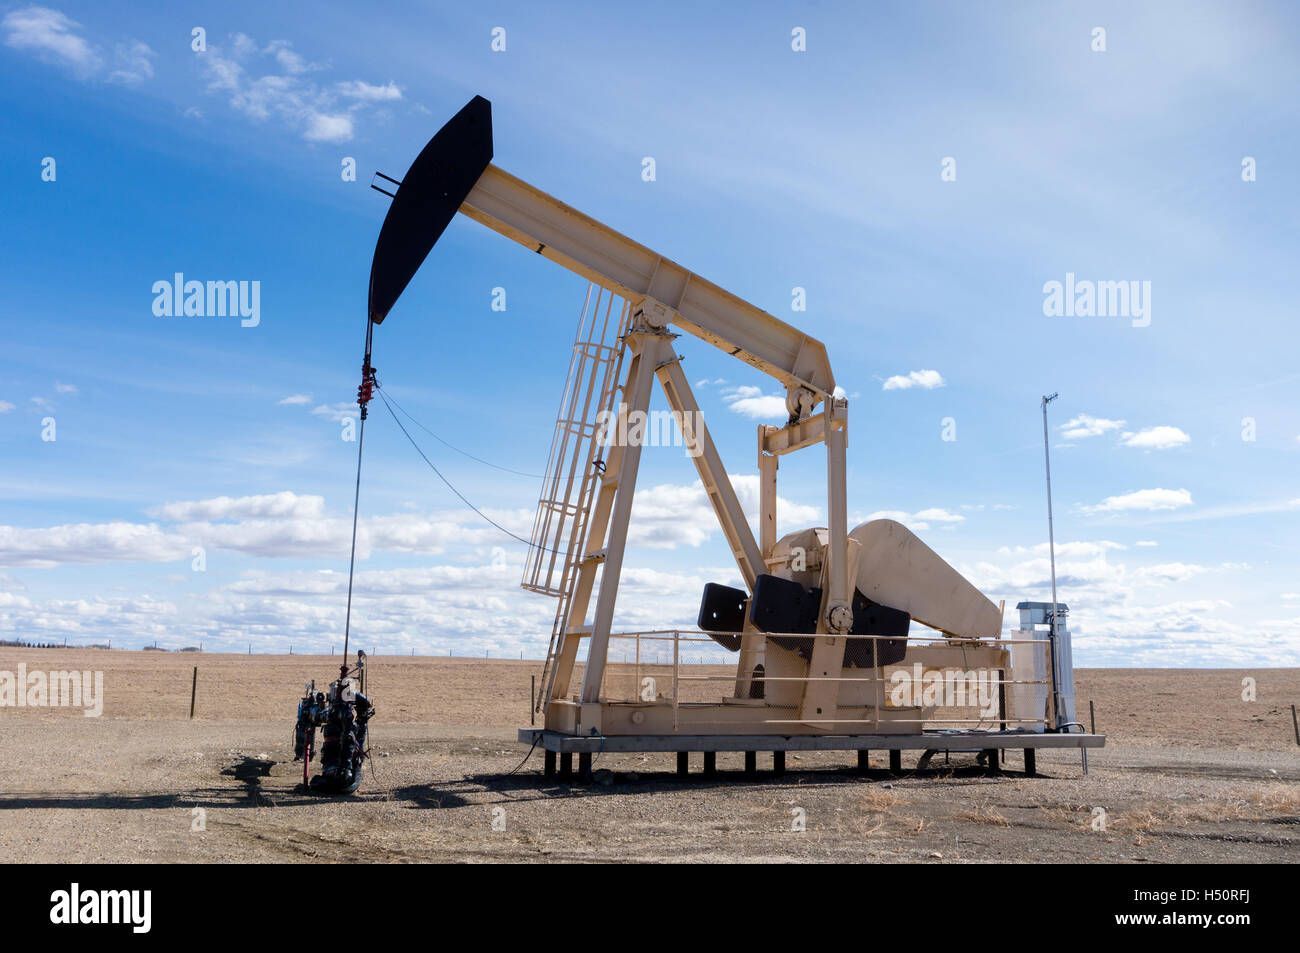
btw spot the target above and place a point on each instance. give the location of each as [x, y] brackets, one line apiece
[1191, 772]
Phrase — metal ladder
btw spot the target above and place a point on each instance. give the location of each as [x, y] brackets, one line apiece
[555, 564]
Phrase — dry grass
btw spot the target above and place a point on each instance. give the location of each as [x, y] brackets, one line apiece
[1264, 804]
[878, 801]
[982, 814]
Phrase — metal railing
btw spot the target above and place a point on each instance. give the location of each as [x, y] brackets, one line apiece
[683, 676]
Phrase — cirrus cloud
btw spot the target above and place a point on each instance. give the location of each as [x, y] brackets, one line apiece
[56, 38]
[275, 81]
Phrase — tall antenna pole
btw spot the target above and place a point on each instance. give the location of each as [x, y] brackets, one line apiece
[1051, 552]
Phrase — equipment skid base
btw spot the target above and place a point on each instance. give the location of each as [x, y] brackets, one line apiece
[928, 741]
[990, 743]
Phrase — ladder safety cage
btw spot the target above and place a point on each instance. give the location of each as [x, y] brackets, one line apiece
[575, 466]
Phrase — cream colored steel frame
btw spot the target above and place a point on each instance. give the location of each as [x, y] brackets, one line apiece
[561, 233]
[664, 293]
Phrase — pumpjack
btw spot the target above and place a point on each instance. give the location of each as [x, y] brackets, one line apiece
[842, 639]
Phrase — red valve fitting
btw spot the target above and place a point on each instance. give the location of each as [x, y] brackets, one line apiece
[366, 392]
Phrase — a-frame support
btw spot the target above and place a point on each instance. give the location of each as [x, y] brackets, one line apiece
[653, 356]
[647, 347]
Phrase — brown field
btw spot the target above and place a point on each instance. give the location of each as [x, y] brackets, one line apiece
[1190, 772]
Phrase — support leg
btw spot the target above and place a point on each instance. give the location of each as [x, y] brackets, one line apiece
[1031, 762]
[991, 761]
[548, 771]
[864, 761]
[710, 764]
[584, 767]
[751, 762]
[637, 392]
[566, 764]
[778, 762]
[895, 761]
[683, 764]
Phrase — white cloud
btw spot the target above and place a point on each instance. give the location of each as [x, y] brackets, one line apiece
[358, 89]
[670, 515]
[1156, 438]
[1169, 572]
[472, 609]
[273, 81]
[90, 621]
[5, 406]
[53, 36]
[753, 403]
[272, 505]
[296, 399]
[924, 379]
[323, 127]
[336, 412]
[133, 63]
[1147, 542]
[290, 61]
[66, 389]
[1085, 426]
[1118, 616]
[56, 38]
[937, 515]
[1066, 549]
[1154, 499]
[292, 537]
[47, 547]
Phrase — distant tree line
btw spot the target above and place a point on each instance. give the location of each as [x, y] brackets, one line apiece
[23, 644]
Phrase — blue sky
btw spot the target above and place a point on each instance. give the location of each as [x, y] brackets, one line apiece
[819, 169]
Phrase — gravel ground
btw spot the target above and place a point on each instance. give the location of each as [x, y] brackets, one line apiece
[143, 783]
